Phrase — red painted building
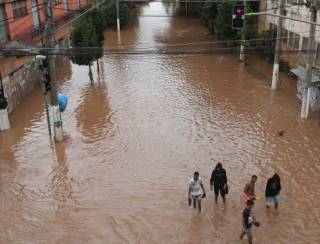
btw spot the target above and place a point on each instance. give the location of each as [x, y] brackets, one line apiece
[24, 19]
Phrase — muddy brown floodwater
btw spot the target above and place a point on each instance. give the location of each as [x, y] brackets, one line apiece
[133, 140]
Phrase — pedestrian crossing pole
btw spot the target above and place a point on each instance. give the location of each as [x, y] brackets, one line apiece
[243, 36]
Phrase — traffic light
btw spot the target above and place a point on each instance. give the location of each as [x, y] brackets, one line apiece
[238, 17]
[45, 69]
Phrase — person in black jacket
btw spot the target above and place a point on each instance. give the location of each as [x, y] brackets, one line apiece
[273, 189]
[218, 182]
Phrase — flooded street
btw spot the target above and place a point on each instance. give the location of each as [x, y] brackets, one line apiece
[133, 140]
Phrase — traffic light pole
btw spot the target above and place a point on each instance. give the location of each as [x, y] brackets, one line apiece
[57, 123]
[118, 16]
[243, 37]
[275, 75]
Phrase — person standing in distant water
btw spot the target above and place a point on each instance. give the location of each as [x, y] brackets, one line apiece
[196, 190]
[249, 193]
[273, 189]
[248, 220]
[218, 182]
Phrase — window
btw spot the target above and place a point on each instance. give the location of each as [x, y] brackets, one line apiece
[291, 39]
[270, 26]
[295, 2]
[318, 53]
[305, 43]
[19, 8]
[285, 36]
[296, 41]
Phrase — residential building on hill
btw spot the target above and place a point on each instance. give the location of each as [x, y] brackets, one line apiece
[22, 20]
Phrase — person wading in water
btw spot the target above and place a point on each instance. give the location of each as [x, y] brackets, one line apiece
[196, 191]
[249, 192]
[273, 189]
[248, 220]
[218, 182]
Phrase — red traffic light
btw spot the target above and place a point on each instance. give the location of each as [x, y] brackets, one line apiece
[238, 10]
[238, 16]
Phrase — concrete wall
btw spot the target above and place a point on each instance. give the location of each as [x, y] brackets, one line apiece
[20, 83]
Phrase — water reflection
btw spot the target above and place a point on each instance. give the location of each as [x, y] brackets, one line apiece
[62, 182]
[93, 114]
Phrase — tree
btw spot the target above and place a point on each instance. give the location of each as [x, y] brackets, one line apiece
[267, 44]
[111, 14]
[222, 22]
[83, 39]
[208, 15]
[99, 23]
[194, 8]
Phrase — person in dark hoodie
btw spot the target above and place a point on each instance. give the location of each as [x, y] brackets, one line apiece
[218, 182]
[273, 189]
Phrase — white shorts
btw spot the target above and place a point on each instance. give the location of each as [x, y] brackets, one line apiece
[198, 197]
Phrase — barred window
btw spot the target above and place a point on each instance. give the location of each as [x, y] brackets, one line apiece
[305, 43]
[19, 8]
[291, 39]
[296, 41]
[285, 36]
[318, 53]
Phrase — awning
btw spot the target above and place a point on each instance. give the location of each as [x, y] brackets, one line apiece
[300, 72]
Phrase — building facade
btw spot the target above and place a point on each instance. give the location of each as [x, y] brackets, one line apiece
[24, 19]
[295, 34]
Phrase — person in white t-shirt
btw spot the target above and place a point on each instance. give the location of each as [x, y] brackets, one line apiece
[196, 191]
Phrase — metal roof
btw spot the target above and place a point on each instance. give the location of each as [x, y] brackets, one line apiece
[300, 72]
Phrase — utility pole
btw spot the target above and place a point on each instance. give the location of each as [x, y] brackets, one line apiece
[314, 7]
[118, 16]
[243, 36]
[275, 75]
[56, 115]
[186, 8]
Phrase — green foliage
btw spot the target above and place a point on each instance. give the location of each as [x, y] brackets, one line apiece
[110, 14]
[89, 31]
[195, 9]
[99, 24]
[250, 30]
[223, 22]
[284, 66]
[208, 14]
[84, 35]
[267, 45]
